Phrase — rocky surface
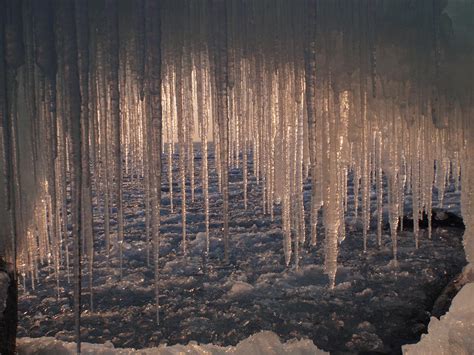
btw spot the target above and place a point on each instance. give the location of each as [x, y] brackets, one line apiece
[8, 309]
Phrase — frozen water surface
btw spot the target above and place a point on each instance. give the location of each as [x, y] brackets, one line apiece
[374, 306]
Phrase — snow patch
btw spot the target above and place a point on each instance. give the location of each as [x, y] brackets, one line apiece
[265, 342]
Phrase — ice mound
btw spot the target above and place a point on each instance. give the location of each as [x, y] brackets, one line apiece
[261, 343]
[453, 333]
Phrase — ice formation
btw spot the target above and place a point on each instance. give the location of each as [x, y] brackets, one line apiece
[93, 95]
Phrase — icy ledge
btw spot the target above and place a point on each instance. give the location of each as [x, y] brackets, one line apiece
[454, 332]
[261, 343]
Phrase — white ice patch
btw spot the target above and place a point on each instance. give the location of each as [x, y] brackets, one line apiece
[258, 344]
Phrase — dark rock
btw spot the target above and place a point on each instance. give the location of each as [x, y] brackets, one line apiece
[443, 302]
[8, 315]
[439, 218]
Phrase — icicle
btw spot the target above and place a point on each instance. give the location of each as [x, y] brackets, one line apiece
[182, 154]
[115, 119]
[379, 188]
[170, 139]
[147, 185]
[12, 50]
[393, 186]
[332, 218]
[365, 168]
[203, 107]
[273, 133]
[83, 64]
[240, 82]
[300, 235]
[248, 100]
[222, 111]
[286, 140]
[67, 34]
[103, 136]
[310, 85]
[153, 86]
[188, 110]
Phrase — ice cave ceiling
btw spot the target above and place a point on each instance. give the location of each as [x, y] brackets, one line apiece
[96, 92]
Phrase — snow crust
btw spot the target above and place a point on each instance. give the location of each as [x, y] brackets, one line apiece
[261, 343]
[454, 332]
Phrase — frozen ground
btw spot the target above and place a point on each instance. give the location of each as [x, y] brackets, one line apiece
[374, 307]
